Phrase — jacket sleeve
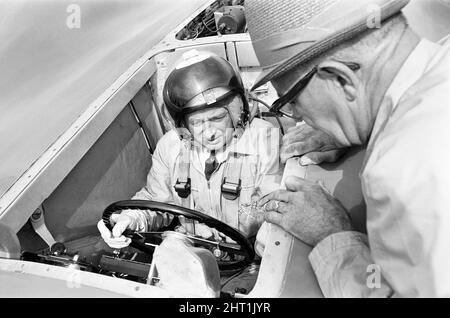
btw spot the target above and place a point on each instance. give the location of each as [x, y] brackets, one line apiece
[344, 267]
[158, 186]
[409, 228]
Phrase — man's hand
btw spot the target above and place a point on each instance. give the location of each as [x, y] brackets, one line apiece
[204, 231]
[306, 210]
[312, 145]
[199, 229]
[121, 223]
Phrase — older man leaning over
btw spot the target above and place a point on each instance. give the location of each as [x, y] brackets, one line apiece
[356, 73]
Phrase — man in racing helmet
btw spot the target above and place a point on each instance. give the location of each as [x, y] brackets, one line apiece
[217, 160]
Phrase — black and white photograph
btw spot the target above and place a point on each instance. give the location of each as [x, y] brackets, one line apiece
[241, 151]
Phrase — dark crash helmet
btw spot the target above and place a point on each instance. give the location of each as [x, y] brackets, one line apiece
[200, 81]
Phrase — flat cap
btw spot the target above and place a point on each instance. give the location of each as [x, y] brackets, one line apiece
[287, 33]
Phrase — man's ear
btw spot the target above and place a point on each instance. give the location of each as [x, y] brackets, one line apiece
[341, 73]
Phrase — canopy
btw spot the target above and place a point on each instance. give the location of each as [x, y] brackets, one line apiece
[58, 56]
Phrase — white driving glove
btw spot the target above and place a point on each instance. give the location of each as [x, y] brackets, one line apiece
[121, 223]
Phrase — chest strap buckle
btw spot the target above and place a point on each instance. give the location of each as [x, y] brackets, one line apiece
[183, 188]
[231, 190]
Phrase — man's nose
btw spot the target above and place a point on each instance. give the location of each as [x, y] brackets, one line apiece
[210, 133]
[297, 114]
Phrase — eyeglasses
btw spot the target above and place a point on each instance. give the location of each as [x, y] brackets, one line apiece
[279, 107]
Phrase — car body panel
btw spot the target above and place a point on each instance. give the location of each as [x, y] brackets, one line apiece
[49, 134]
[77, 83]
[62, 70]
[28, 279]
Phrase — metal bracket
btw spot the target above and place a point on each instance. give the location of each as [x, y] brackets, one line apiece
[38, 223]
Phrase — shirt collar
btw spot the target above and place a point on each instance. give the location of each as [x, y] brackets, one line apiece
[245, 145]
[412, 70]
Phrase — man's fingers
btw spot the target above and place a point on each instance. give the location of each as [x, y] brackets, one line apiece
[120, 226]
[114, 218]
[300, 133]
[181, 229]
[204, 231]
[121, 239]
[114, 242]
[117, 244]
[277, 206]
[300, 148]
[315, 158]
[292, 131]
[279, 195]
[311, 159]
[290, 151]
[310, 143]
[104, 232]
[227, 239]
[297, 147]
[295, 184]
[274, 217]
[216, 235]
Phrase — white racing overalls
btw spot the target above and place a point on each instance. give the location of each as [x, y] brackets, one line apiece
[252, 161]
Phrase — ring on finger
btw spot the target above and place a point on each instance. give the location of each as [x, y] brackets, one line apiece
[277, 205]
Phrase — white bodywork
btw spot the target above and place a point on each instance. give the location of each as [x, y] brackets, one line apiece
[285, 269]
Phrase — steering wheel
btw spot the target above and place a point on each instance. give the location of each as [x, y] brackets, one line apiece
[141, 240]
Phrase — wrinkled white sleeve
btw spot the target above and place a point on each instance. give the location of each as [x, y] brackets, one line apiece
[344, 267]
[157, 188]
[408, 220]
